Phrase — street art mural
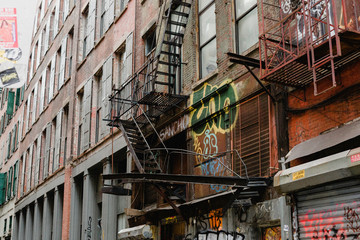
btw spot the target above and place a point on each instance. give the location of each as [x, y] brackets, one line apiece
[339, 222]
[211, 119]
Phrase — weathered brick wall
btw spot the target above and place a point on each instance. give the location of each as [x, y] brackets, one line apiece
[326, 111]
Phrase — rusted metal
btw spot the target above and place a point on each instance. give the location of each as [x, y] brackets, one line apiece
[309, 43]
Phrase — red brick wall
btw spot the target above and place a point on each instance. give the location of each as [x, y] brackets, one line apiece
[335, 107]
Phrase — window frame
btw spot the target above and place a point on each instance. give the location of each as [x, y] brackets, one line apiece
[201, 46]
[237, 21]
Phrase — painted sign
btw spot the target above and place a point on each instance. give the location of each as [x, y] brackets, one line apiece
[355, 158]
[174, 128]
[16, 26]
[211, 119]
[298, 175]
[8, 28]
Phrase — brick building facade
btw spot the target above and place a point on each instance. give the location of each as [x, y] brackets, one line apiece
[146, 119]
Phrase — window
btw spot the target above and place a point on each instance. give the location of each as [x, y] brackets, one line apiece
[207, 38]
[247, 28]
[102, 18]
[98, 91]
[120, 6]
[80, 110]
[65, 130]
[85, 16]
[5, 225]
[119, 67]
[69, 53]
[150, 42]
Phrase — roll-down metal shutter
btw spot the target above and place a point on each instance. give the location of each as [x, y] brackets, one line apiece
[329, 212]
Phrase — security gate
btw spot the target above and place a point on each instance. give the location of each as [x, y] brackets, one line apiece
[329, 212]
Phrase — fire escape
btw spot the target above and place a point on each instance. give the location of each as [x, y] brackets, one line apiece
[137, 106]
[304, 41]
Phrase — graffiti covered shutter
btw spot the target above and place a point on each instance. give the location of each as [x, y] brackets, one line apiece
[329, 212]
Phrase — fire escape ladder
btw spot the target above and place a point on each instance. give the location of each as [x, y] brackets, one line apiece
[145, 160]
[323, 26]
[161, 76]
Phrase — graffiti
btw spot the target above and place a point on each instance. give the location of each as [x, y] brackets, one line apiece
[214, 167]
[272, 233]
[210, 145]
[212, 221]
[88, 230]
[212, 106]
[352, 219]
[330, 224]
[174, 128]
[295, 224]
[220, 235]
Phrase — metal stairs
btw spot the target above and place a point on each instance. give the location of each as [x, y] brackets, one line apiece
[161, 76]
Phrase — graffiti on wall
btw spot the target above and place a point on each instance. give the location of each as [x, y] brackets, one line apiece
[211, 119]
[341, 222]
[88, 230]
[220, 235]
[212, 221]
[174, 128]
[272, 233]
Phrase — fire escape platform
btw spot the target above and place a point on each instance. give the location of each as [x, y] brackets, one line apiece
[296, 73]
[240, 189]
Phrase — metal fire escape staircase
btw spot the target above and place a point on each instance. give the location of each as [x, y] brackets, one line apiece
[307, 41]
[151, 91]
[138, 104]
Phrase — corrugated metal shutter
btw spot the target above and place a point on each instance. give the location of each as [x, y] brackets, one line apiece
[252, 136]
[330, 212]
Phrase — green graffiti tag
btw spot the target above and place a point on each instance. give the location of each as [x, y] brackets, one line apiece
[209, 101]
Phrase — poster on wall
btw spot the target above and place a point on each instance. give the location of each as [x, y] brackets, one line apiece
[16, 26]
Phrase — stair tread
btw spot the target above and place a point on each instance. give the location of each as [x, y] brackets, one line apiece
[174, 33]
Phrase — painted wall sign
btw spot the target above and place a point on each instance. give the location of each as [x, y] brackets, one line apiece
[174, 128]
[355, 158]
[210, 120]
[8, 28]
[298, 175]
[16, 27]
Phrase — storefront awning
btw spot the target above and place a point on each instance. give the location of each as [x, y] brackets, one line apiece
[339, 166]
[325, 141]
